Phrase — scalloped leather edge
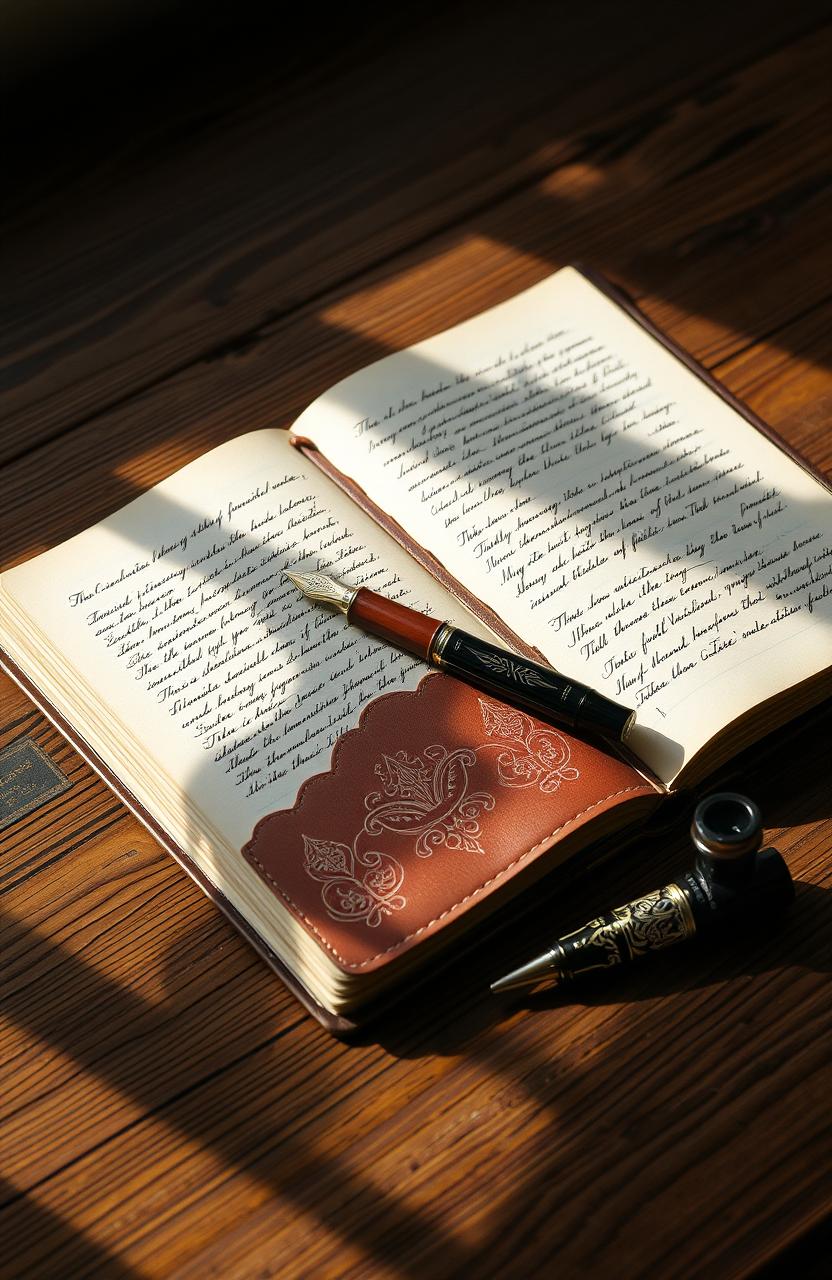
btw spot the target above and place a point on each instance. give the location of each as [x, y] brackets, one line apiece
[369, 713]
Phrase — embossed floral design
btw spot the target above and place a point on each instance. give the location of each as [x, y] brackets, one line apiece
[428, 796]
[357, 886]
[528, 756]
[327, 858]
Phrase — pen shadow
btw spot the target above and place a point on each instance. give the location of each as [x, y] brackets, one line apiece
[786, 773]
[452, 1017]
[449, 1020]
[283, 1159]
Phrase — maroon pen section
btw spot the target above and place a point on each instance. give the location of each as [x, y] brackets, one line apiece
[394, 622]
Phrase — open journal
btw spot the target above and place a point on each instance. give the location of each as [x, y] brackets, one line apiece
[551, 472]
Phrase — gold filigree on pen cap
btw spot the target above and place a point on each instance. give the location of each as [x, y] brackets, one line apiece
[325, 589]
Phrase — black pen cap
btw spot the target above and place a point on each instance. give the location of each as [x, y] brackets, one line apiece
[605, 716]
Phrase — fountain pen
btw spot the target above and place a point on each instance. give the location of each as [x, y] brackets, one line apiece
[733, 886]
[530, 685]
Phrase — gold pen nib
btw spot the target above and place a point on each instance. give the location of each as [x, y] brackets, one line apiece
[325, 589]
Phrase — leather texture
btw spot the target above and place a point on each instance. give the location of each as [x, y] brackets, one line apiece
[438, 798]
[322, 797]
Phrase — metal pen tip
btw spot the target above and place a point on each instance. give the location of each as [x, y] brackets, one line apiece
[543, 970]
[324, 588]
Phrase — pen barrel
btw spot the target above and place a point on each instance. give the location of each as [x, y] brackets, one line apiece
[536, 688]
[695, 905]
[394, 622]
[649, 923]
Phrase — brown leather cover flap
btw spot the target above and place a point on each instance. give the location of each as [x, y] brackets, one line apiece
[434, 801]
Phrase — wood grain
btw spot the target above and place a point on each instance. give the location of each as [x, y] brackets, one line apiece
[284, 200]
[167, 1109]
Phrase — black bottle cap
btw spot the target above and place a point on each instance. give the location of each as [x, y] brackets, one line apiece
[727, 826]
[727, 831]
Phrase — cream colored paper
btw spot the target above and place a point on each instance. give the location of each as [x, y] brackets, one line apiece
[598, 495]
[175, 615]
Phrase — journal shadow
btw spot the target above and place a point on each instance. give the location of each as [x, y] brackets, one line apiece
[280, 1156]
[273, 1133]
[455, 1017]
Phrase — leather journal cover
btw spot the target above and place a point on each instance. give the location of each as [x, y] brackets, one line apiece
[441, 802]
[423, 815]
[438, 799]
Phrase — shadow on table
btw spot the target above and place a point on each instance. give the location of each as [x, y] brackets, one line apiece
[467, 1008]
[274, 1132]
[270, 1133]
[106, 1028]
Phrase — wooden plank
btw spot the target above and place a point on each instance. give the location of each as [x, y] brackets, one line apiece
[80, 877]
[275, 379]
[280, 371]
[166, 1108]
[39, 839]
[466, 1136]
[166, 253]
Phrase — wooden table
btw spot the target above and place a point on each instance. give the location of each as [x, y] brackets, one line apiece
[198, 249]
